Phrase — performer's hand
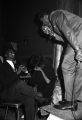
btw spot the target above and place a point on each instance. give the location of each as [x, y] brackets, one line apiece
[57, 37]
[79, 55]
[49, 31]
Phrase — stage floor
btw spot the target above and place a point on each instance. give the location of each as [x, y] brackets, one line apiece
[64, 114]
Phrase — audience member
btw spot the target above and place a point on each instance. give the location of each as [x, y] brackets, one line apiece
[12, 89]
[43, 76]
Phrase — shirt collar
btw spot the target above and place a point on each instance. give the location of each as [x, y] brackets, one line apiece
[11, 63]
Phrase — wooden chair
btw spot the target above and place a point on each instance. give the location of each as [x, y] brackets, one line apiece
[11, 105]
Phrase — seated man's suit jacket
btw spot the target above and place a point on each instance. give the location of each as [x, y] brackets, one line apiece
[8, 78]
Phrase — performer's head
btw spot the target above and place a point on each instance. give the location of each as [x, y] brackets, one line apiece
[46, 25]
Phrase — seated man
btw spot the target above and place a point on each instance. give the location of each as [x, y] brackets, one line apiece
[12, 89]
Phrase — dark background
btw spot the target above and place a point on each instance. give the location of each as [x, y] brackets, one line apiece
[18, 22]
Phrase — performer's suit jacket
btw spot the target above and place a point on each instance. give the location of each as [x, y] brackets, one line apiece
[8, 78]
[67, 24]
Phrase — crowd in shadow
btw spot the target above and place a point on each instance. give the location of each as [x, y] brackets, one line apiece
[31, 83]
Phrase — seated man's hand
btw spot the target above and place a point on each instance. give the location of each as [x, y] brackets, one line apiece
[78, 56]
[39, 94]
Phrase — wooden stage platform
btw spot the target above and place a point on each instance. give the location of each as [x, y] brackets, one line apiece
[63, 114]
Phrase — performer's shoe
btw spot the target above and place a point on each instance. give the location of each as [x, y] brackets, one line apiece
[64, 102]
[67, 105]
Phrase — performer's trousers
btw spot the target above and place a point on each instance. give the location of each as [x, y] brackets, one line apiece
[72, 74]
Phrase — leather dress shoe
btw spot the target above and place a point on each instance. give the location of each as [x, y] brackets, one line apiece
[67, 105]
[64, 102]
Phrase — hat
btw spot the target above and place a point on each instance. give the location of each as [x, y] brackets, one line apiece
[14, 45]
[11, 45]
